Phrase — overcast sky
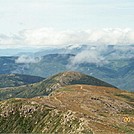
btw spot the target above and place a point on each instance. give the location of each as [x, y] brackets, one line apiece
[20, 19]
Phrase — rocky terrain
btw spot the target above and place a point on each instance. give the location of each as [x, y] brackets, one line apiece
[71, 109]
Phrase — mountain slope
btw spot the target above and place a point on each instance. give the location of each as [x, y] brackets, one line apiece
[12, 80]
[117, 71]
[46, 86]
[71, 109]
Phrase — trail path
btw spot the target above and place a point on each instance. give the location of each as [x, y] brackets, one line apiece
[58, 99]
[81, 87]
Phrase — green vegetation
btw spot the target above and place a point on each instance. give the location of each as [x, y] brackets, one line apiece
[69, 109]
[127, 111]
[19, 116]
[129, 97]
[46, 86]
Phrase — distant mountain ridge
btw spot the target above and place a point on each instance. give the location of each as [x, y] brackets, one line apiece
[116, 67]
[12, 80]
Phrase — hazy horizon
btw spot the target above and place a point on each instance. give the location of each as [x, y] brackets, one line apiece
[55, 23]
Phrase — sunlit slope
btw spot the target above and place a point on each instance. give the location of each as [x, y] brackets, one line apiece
[71, 109]
[46, 86]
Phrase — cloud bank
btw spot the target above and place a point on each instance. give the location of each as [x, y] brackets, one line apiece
[27, 59]
[49, 37]
[88, 56]
[101, 55]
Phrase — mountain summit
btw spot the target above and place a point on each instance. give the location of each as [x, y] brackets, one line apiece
[68, 103]
[50, 84]
[71, 77]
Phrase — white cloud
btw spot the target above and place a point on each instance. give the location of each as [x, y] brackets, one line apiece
[43, 37]
[91, 55]
[27, 59]
[102, 54]
[88, 56]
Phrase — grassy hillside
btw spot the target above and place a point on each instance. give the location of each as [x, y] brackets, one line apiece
[71, 109]
[12, 80]
[46, 86]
